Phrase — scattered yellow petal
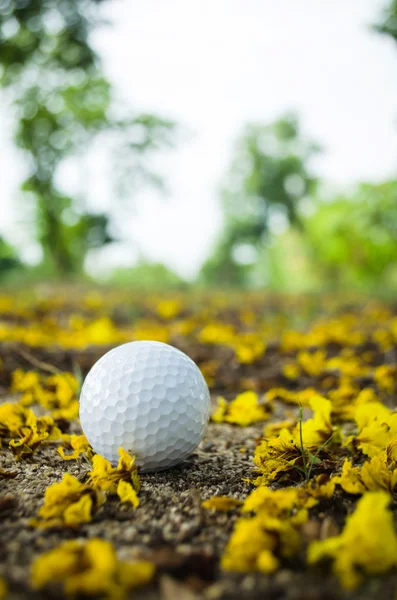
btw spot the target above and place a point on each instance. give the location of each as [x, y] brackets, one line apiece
[80, 445]
[291, 371]
[248, 540]
[223, 503]
[267, 562]
[67, 503]
[277, 503]
[105, 477]
[367, 543]
[90, 568]
[78, 512]
[244, 410]
[126, 493]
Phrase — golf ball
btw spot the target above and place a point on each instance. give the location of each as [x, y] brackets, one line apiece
[148, 398]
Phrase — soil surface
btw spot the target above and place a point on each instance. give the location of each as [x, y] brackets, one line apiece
[170, 527]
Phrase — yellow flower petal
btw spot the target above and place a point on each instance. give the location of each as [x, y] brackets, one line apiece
[223, 503]
[90, 568]
[367, 543]
[126, 493]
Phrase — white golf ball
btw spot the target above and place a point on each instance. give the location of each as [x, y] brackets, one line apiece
[148, 398]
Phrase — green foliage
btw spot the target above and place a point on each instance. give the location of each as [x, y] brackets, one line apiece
[62, 103]
[284, 264]
[147, 275]
[9, 261]
[56, 28]
[389, 22]
[268, 179]
[221, 268]
[352, 240]
[269, 174]
[349, 243]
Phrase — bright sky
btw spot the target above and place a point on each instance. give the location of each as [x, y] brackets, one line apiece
[214, 65]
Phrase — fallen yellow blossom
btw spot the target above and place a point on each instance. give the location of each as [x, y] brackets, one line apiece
[90, 568]
[223, 503]
[273, 429]
[279, 454]
[35, 431]
[282, 503]
[321, 486]
[247, 546]
[367, 543]
[80, 445]
[347, 364]
[56, 393]
[379, 473]
[27, 432]
[67, 503]
[386, 378]
[12, 417]
[255, 542]
[347, 398]
[276, 455]
[292, 340]
[248, 347]
[217, 333]
[301, 397]
[106, 478]
[168, 309]
[313, 363]
[127, 493]
[377, 426]
[24, 381]
[319, 429]
[244, 410]
[291, 371]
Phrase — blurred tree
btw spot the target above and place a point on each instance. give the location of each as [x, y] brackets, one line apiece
[268, 179]
[62, 102]
[221, 269]
[8, 259]
[389, 22]
[353, 240]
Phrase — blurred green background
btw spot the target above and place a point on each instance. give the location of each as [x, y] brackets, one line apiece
[282, 226]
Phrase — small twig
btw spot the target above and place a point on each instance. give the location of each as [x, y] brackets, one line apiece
[39, 364]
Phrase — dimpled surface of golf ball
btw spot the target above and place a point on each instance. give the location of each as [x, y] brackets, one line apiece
[148, 398]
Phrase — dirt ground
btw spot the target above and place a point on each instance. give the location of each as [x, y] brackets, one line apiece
[170, 527]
